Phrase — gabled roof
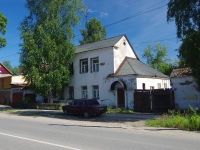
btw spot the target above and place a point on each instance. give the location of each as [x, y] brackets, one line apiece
[132, 66]
[110, 42]
[4, 70]
[181, 72]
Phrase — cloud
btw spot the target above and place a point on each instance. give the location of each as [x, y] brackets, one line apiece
[90, 11]
[103, 14]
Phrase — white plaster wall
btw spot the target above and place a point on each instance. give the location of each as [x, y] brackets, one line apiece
[93, 78]
[122, 52]
[185, 93]
[152, 82]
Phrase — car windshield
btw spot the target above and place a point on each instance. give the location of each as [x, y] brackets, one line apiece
[93, 102]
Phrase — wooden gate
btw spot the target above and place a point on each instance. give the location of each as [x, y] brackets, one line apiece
[17, 97]
[158, 100]
[142, 101]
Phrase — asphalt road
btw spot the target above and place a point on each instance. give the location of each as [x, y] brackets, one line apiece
[42, 133]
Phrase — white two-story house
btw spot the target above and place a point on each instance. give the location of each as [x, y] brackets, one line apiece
[110, 71]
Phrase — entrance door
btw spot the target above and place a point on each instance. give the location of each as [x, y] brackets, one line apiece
[120, 98]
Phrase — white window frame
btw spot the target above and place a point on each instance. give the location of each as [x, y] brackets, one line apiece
[165, 85]
[159, 85]
[84, 91]
[95, 65]
[84, 66]
[95, 91]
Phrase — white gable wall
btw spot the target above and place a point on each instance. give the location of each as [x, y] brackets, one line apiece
[89, 79]
[121, 52]
[185, 92]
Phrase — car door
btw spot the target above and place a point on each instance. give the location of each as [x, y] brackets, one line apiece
[73, 107]
[80, 107]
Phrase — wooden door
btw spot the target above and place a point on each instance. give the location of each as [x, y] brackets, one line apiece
[120, 98]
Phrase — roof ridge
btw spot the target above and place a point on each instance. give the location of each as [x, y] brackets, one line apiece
[103, 40]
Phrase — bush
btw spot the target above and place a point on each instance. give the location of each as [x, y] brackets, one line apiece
[187, 120]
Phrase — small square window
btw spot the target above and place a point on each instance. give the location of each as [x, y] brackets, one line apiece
[95, 91]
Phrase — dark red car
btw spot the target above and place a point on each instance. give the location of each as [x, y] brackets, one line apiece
[85, 107]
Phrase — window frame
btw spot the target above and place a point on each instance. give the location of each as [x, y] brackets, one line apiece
[96, 67]
[95, 92]
[86, 65]
[84, 91]
[71, 92]
[159, 85]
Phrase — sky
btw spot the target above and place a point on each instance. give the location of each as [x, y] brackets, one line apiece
[143, 22]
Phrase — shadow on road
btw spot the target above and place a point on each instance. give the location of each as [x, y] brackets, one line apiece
[107, 118]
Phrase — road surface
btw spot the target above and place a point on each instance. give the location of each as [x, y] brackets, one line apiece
[46, 133]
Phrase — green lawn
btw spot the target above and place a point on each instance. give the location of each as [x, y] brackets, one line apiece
[188, 120]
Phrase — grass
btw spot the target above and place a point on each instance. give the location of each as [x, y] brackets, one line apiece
[188, 120]
[118, 111]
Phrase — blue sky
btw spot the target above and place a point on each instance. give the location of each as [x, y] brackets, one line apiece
[144, 22]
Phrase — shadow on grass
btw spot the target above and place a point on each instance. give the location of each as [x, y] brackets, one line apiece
[107, 118]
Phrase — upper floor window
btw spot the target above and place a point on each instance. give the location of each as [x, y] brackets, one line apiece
[83, 65]
[84, 91]
[95, 91]
[71, 69]
[95, 64]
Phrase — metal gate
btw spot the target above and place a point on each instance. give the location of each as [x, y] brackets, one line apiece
[158, 100]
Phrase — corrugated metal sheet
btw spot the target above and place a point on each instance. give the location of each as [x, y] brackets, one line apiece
[98, 45]
[136, 67]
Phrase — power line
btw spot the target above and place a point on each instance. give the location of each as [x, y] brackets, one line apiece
[135, 15]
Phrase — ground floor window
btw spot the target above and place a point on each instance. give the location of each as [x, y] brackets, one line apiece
[71, 92]
[95, 91]
[84, 91]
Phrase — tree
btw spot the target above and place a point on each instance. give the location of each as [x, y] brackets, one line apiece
[47, 51]
[189, 51]
[14, 69]
[156, 58]
[3, 23]
[186, 14]
[94, 32]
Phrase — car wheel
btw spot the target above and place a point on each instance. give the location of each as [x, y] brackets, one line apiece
[86, 115]
[65, 112]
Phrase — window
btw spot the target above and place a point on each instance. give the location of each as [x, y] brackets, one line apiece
[165, 85]
[84, 91]
[95, 64]
[83, 65]
[159, 85]
[71, 69]
[71, 92]
[143, 86]
[95, 91]
[80, 103]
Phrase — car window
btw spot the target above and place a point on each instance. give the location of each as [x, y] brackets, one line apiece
[75, 102]
[80, 103]
[93, 102]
